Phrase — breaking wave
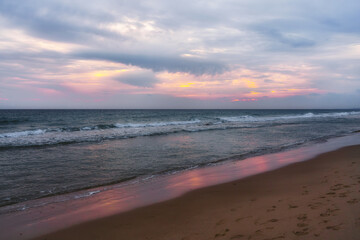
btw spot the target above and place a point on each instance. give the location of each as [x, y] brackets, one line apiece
[100, 132]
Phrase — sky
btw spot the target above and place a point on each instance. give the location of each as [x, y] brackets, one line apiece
[244, 54]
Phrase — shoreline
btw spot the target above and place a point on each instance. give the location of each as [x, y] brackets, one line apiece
[53, 217]
[318, 198]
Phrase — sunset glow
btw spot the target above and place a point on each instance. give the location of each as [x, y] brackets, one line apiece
[152, 56]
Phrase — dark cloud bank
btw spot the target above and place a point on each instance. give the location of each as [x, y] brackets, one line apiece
[159, 63]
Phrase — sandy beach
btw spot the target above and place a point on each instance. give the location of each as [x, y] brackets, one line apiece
[319, 198]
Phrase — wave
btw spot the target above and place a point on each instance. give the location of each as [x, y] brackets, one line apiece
[22, 133]
[101, 132]
[247, 118]
[157, 124]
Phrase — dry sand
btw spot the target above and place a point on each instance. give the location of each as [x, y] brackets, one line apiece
[316, 199]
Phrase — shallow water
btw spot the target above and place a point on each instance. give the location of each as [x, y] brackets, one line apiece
[50, 152]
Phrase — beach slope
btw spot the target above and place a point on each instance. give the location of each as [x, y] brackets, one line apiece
[315, 199]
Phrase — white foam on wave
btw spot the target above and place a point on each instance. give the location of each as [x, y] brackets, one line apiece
[85, 135]
[155, 124]
[247, 118]
[22, 133]
[87, 194]
[117, 125]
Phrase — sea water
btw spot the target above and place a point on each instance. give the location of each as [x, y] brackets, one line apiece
[51, 152]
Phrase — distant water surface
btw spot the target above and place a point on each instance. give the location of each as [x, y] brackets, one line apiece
[48, 152]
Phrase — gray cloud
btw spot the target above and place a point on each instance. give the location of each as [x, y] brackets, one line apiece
[159, 63]
[268, 81]
[139, 78]
[55, 21]
[288, 40]
[71, 20]
[31, 65]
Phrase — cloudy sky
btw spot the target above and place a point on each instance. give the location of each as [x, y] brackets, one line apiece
[179, 54]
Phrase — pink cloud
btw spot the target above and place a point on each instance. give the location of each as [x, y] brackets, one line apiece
[49, 91]
[244, 100]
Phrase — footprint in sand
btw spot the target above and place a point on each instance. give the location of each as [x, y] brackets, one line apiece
[329, 212]
[302, 217]
[222, 233]
[352, 201]
[268, 221]
[273, 208]
[278, 237]
[222, 221]
[239, 236]
[334, 227]
[331, 193]
[239, 219]
[343, 194]
[292, 206]
[306, 192]
[301, 225]
[315, 205]
[336, 187]
[301, 232]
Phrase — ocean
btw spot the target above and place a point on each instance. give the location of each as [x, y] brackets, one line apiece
[52, 152]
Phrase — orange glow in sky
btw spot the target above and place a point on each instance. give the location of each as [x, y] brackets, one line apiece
[102, 77]
[128, 53]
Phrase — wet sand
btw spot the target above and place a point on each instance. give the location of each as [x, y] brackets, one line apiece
[315, 199]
